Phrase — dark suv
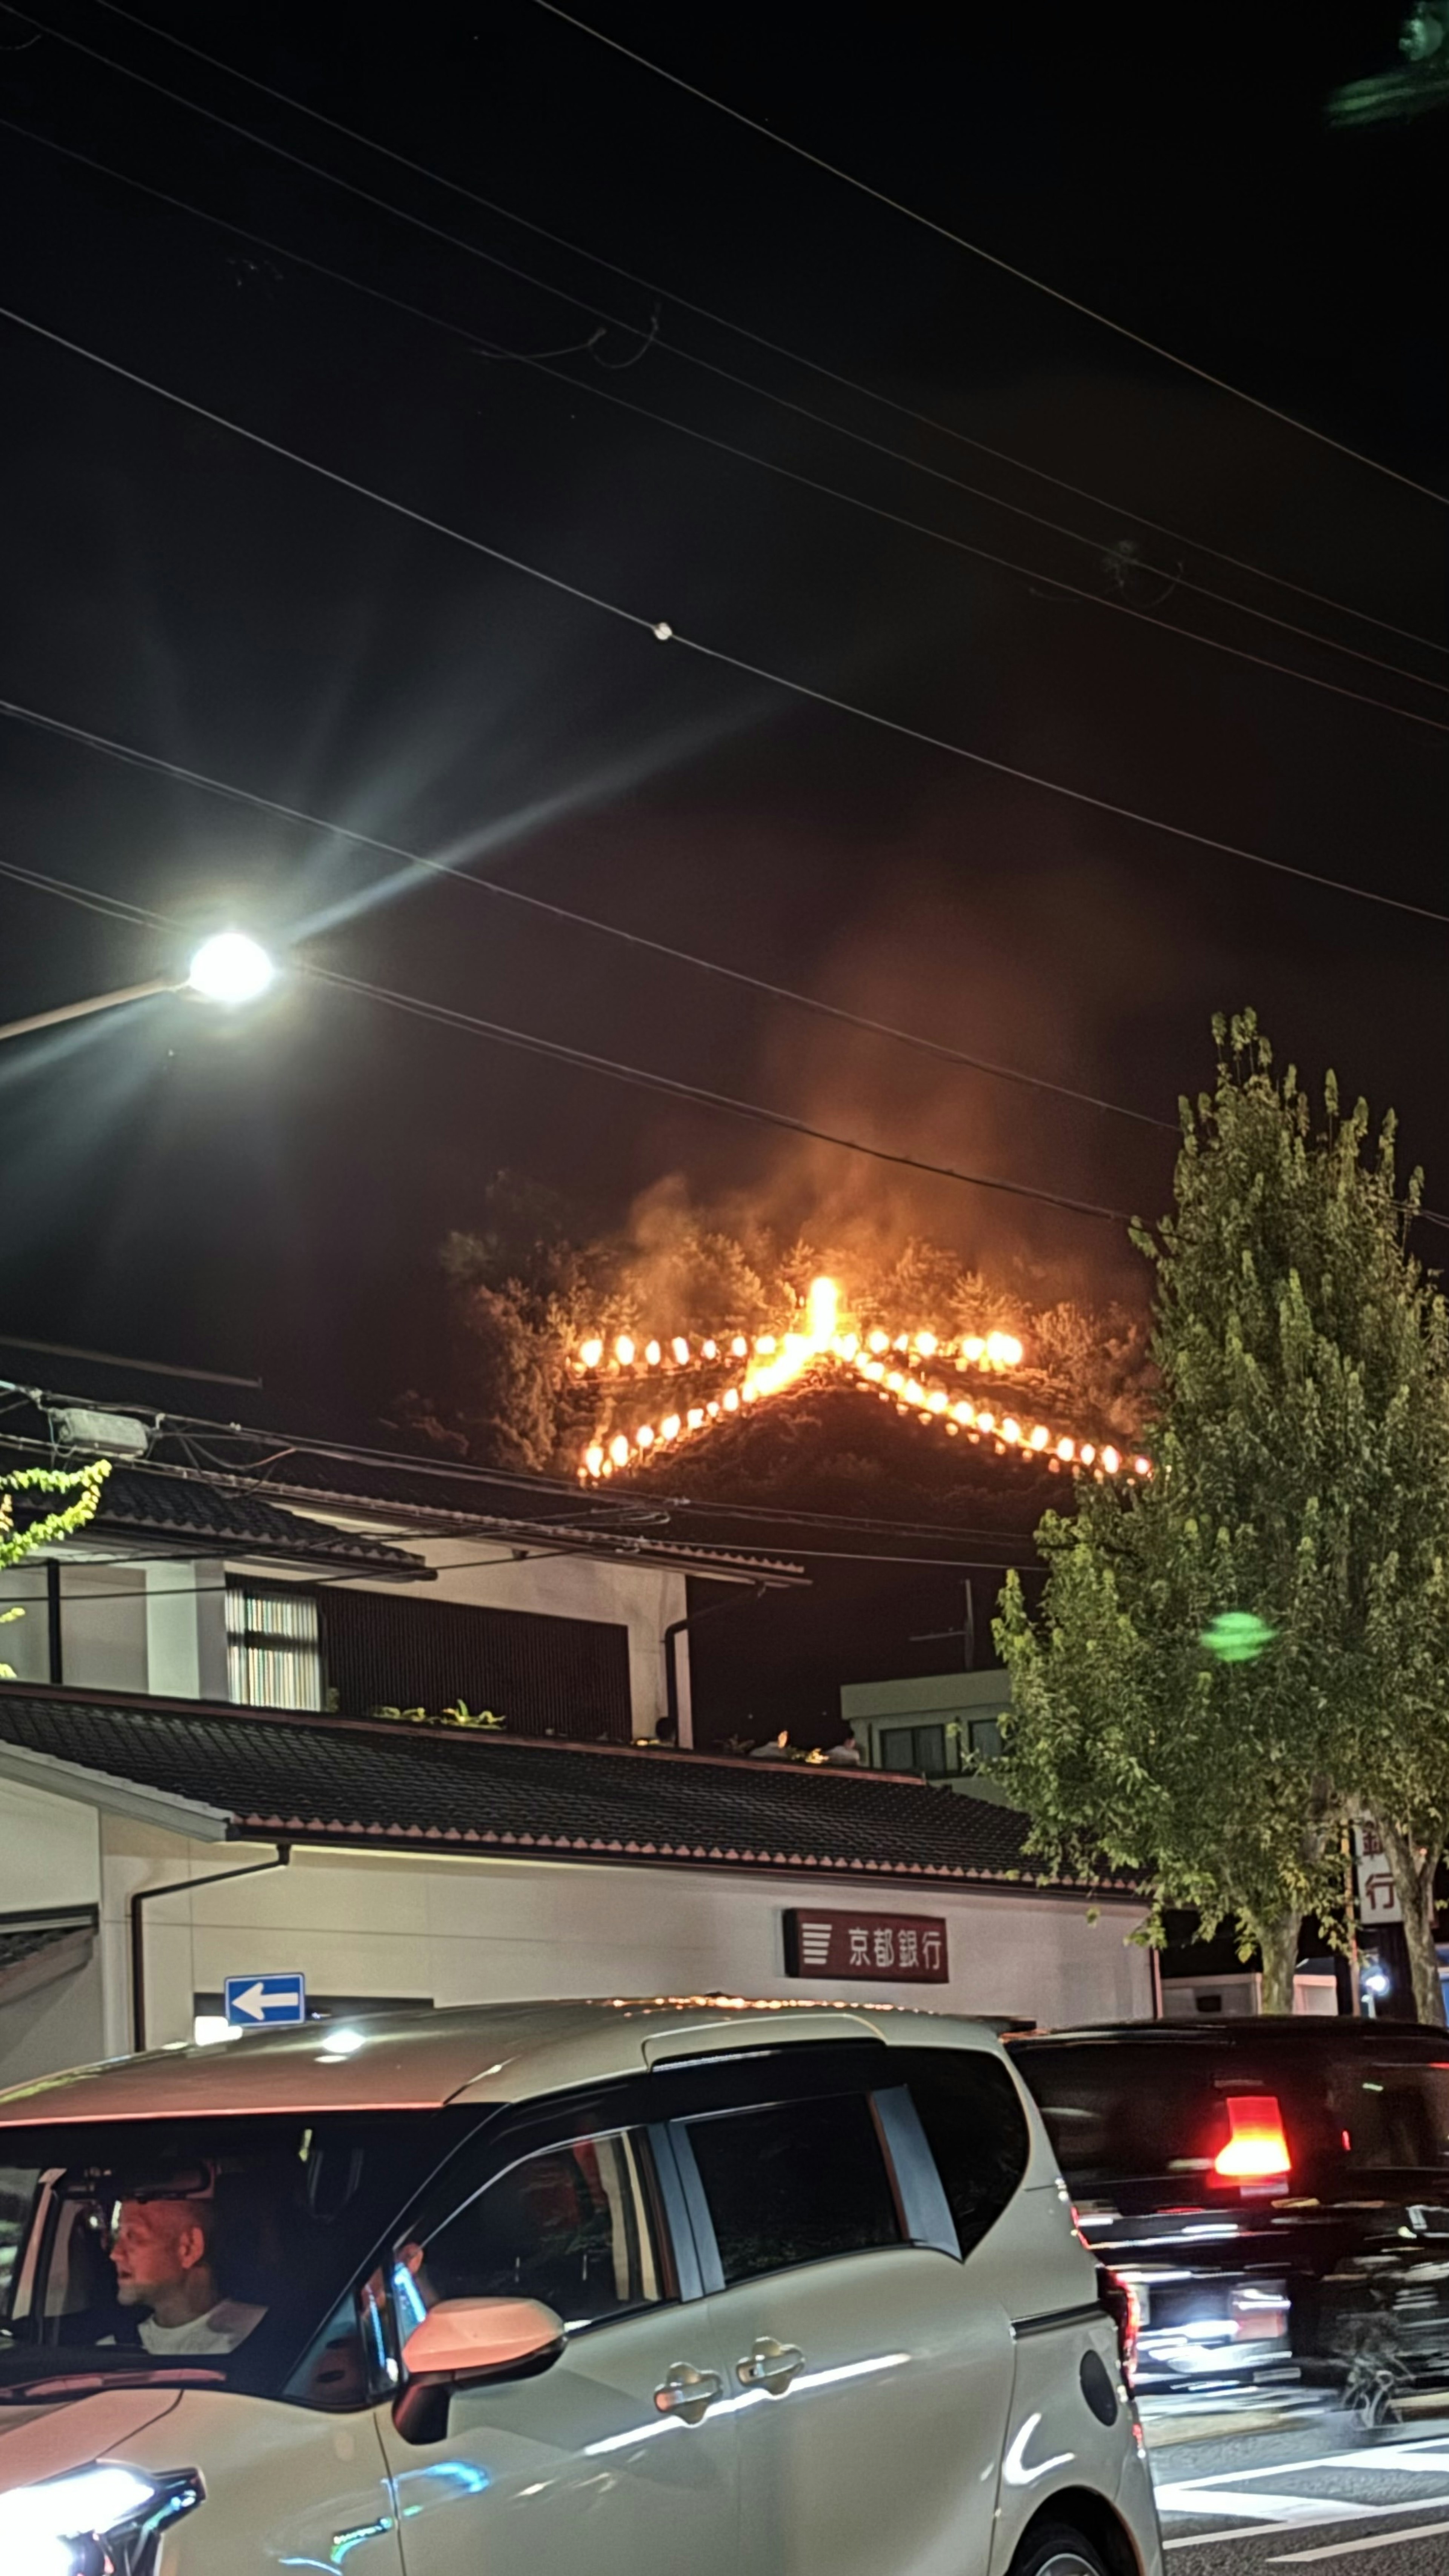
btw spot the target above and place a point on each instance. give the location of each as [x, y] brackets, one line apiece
[1275, 2192]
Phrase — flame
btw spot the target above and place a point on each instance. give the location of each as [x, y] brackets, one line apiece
[821, 1334]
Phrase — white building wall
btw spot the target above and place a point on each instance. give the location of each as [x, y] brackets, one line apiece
[452, 1931]
[50, 1855]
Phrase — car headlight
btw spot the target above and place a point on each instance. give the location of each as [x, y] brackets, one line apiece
[101, 2521]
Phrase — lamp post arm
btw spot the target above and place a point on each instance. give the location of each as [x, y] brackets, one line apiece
[97, 1002]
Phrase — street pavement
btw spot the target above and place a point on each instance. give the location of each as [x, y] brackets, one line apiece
[1305, 2490]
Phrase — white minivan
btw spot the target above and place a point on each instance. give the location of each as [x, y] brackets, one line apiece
[558, 2290]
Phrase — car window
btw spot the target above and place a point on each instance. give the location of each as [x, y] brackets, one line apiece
[1117, 2110]
[1390, 2108]
[975, 2128]
[220, 2244]
[795, 2183]
[571, 2226]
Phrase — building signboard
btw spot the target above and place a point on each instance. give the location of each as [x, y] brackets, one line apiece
[894, 1949]
[1377, 1898]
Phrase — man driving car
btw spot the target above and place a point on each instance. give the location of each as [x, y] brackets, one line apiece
[164, 2260]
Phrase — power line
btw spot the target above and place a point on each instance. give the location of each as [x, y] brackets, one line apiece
[1007, 267]
[540, 363]
[666, 633]
[153, 763]
[443, 1015]
[541, 1534]
[542, 232]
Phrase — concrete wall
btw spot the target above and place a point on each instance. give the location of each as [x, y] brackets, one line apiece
[50, 1855]
[452, 1931]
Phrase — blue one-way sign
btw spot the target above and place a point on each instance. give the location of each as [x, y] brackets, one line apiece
[254, 2003]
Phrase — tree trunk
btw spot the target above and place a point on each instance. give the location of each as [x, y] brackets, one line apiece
[1413, 1866]
[1278, 1942]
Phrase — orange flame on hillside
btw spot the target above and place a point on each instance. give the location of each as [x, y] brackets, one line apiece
[821, 1338]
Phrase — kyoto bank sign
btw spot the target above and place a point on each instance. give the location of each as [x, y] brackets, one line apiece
[889, 1949]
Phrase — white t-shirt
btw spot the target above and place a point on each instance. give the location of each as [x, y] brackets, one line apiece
[220, 2330]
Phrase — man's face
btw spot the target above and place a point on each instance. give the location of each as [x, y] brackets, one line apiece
[158, 2245]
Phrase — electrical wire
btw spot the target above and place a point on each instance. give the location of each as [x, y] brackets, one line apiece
[704, 313]
[301, 1446]
[444, 1015]
[131, 756]
[540, 363]
[945, 232]
[664, 632]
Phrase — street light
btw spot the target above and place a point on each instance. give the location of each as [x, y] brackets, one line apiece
[229, 968]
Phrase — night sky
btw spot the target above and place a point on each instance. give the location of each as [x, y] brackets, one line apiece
[267, 1195]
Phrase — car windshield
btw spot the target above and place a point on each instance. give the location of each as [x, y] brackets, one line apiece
[222, 2251]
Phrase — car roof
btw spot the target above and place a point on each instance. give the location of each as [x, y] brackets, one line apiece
[470, 2053]
[1243, 2029]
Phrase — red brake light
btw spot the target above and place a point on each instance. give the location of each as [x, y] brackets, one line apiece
[1257, 2150]
[1119, 2298]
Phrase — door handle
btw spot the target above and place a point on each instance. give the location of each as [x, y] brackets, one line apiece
[770, 2365]
[688, 2393]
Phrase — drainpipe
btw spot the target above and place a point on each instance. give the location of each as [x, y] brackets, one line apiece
[178, 1887]
[676, 1626]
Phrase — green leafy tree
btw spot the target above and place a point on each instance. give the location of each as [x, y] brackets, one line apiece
[42, 1529]
[1237, 1656]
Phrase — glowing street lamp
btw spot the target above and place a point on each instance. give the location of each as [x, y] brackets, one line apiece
[229, 968]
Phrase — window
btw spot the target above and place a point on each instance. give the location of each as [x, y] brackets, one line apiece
[273, 1648]
[281, 2212]
[980, 1741]
[914, 1748]
[570, 2226]
[796, 2183]
[976, 2131]
[1115, 2110]
[1390, 2109]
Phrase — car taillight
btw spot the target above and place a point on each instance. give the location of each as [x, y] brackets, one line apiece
[1257, 2150]
[1121, 2302]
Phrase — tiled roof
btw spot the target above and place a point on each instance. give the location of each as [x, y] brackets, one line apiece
[329, 1779]
[220, 1517]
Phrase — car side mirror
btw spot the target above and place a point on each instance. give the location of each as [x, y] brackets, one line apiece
[465, 2343]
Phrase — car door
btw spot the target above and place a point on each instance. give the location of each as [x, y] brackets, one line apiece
[619, 2459]
[871, 2381]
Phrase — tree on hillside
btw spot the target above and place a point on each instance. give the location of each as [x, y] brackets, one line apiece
[43, 1528]
[525, 1293]
[1236, 1657]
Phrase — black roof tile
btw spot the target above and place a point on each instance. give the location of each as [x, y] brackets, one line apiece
[320, 1778]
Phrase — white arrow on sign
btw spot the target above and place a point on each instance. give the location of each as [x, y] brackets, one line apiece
[256, 2003]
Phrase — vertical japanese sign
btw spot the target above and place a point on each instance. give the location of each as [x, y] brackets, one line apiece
[897, 1949]
[1377, 1900]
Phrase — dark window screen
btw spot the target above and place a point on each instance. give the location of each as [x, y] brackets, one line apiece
[1114, 2111]
[566, 1677]
[976, 2130]
[794, 2184]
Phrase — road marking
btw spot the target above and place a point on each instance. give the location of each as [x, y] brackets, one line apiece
[1378, 2540]
[1432, 2451]
[1418, 2456]
[1316, 2520]
[1185, 2498]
